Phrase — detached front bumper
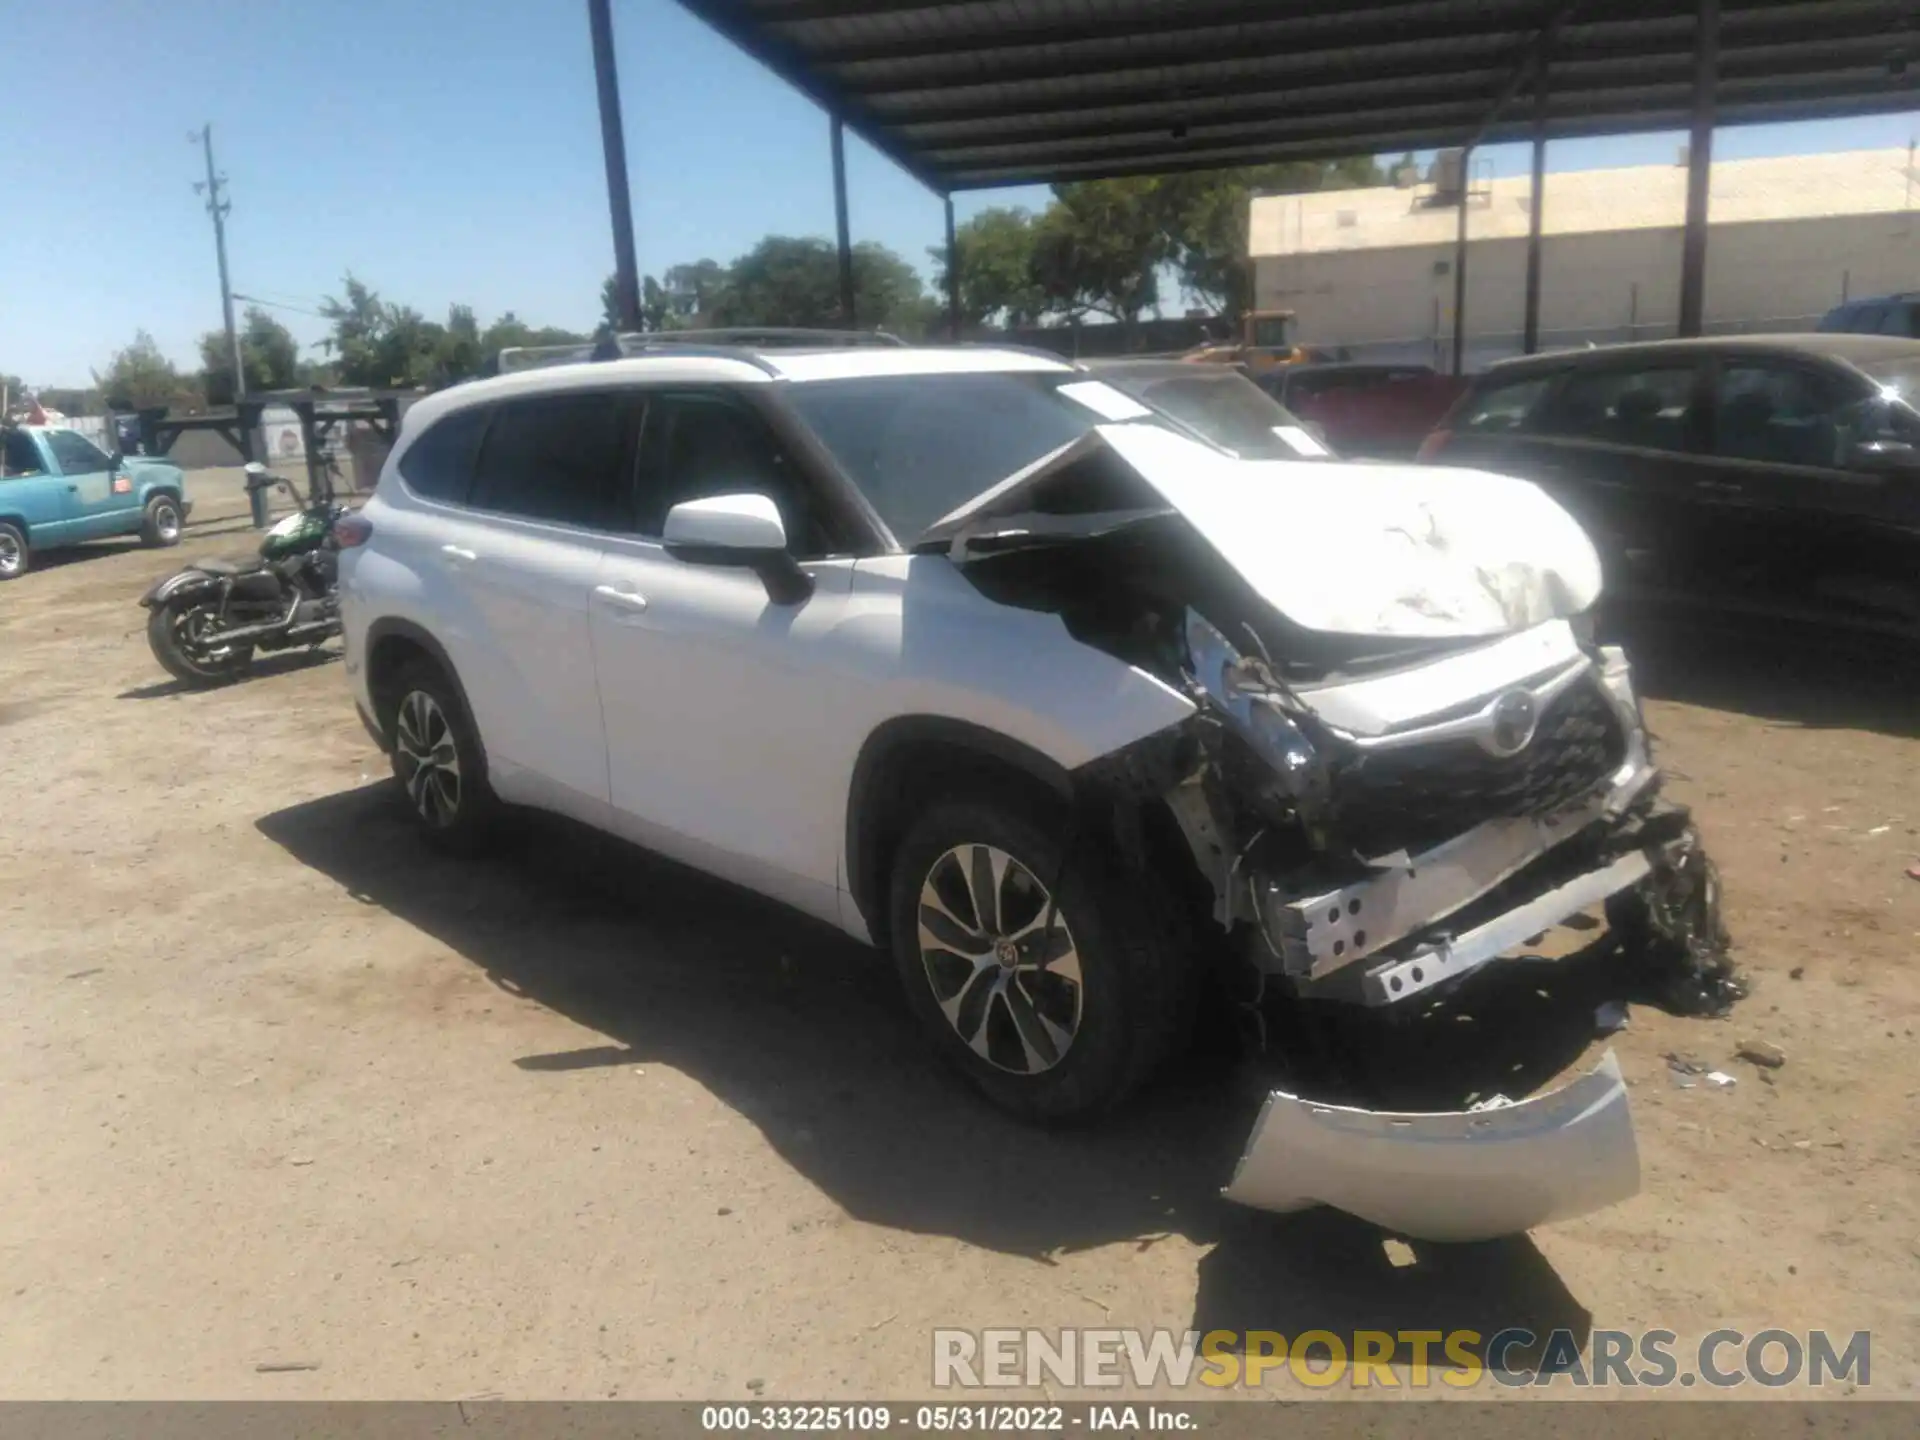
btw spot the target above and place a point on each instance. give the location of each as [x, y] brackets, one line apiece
[1455, 1176]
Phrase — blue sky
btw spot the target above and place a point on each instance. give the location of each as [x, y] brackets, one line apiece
[442, 152]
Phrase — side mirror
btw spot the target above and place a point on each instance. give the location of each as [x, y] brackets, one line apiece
[1885, 456]
[739, 530]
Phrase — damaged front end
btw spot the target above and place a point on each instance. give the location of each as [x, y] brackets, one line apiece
[1385, 799]
[1380, 862]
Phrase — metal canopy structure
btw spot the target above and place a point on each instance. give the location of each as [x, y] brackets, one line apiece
[974, 94]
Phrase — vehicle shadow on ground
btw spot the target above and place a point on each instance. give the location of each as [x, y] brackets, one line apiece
[264, 667]
[802, 1032]
[1800, 676]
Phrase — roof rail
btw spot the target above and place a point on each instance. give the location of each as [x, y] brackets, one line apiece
[751, 338]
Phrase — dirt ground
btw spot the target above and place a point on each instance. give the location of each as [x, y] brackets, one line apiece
[279, 1087]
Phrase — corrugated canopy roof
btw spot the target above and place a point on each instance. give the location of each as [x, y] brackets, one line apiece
[973, 93]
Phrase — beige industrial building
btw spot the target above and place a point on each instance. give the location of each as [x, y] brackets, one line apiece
[1789, 238]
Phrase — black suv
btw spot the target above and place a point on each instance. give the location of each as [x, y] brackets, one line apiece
[1880, 315]
[1774, 475]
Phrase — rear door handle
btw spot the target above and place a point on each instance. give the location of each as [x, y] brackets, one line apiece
[622, 599]
[459, 553]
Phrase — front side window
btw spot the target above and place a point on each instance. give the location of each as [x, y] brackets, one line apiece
[75, 454]
[1646, 408]
[564, 459]
[697, 445]
[1776, 414]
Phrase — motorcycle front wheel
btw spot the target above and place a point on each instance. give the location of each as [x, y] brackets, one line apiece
[177, 631]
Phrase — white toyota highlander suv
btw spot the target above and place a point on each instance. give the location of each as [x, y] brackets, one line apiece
[1060, 686]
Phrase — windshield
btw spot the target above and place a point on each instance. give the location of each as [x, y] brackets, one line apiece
[1222, 406]
[920, 448]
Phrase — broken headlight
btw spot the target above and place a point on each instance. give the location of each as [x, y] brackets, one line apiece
[1243, 692]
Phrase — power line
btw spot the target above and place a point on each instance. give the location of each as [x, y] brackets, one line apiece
[278, 305]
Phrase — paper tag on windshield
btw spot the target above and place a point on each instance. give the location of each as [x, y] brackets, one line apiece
[1104, 400]
[1300, 440]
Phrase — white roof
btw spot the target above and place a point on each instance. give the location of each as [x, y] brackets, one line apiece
[1642, 197]
[665, 367]
[906, 360]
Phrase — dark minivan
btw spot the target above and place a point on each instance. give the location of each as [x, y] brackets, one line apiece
[1771, 475]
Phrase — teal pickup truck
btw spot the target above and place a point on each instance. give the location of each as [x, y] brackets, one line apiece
[59, 488]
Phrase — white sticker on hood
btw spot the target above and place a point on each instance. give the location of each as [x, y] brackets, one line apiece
[1105, 401]
[1301, 440]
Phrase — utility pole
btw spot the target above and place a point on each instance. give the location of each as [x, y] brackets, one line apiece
[613, 144]
[215, 189]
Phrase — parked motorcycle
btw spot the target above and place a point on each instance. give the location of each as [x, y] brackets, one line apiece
[208, 619]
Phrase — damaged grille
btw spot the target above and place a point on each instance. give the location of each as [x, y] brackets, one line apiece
[1413, 799]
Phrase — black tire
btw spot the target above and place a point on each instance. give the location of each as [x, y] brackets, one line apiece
[162, 523]
[169, 628]
[15, 558]
[1134, 1006]
[424, 715]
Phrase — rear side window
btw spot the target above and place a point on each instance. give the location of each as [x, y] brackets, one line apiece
[439, 465]
[1649, 408]
[1501, 405]
[560, 458]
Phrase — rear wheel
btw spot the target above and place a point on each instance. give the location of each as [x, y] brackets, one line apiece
[14, 556]
[438, 760]
[162, 523]
[178, 633]
[1050, 987]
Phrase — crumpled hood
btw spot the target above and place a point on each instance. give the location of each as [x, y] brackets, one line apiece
[1406, 551]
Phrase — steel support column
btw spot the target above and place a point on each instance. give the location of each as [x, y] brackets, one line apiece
[1693, 247]
[953, 277]
[613, 142]
[840, 221]
[1460, 267]
[1531, 342]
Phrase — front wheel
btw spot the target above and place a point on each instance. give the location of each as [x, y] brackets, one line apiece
[178, 631]
[14, 556]
[162, 523]
[1055, 988]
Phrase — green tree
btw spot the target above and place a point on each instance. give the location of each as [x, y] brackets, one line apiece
[790, 280]
[1204, 217]
[693, 291]
[1099, 248]
[267, 349]
[139, 376]
[996, 255]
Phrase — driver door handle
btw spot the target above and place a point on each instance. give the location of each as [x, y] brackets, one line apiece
[459, 553]
[622, 599]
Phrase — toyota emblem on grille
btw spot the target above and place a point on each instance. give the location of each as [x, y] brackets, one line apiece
[1511, 725]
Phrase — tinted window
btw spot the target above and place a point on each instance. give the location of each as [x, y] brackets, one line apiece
[1648, 408]
[18, 454]
[700, 445]
[562, 458]
[75, 454]
[1502, 405]
[439, 465]
[1779, 415]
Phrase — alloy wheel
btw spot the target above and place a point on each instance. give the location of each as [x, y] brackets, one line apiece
[1000, 959]
[11, 555]
[423, 740]
[166, 521]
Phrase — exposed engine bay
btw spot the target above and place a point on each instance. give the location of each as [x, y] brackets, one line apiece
[1376, 814]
